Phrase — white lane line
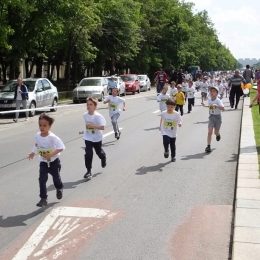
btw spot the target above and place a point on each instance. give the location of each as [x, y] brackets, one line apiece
[35, 239]
[110, 133]
[157, 111]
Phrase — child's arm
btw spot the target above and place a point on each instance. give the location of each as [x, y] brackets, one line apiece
[34, 151]
[203, 104]
[124, 106]
[160, 127]
[107, 100]
[101, 127]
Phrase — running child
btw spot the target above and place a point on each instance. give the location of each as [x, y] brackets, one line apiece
[204, 89]
[173, 89]
[162, 98]
[184, 88]
[190, 96]
[215, 106]
[93, 136]
[197, 84]
[168, 127]
[114, 110]
[48, 146]
[221, 88]
[180, 99]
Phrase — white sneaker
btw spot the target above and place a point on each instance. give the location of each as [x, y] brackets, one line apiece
[26, 119]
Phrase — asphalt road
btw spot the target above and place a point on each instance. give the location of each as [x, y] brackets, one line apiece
[143, 205]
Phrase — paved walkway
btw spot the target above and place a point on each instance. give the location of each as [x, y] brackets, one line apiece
[247, 208]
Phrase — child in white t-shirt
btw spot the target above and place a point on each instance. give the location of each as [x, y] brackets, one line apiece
[114, 102]
[162, 98]
[184, 88]
[170, 119]
[221, 88]
[204, 89]
[173, 89]
[93, 136]
[197, 84]
[215, 106]
[48, 146]
[190, 96]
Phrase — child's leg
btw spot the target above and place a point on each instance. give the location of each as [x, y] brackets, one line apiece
[88, 155]
[166, 142]
[181, 110]
[114, 119]
[173, 147]
[43, 178]
[54, 169]
[210, 131]
[189, 105]
[100, 152]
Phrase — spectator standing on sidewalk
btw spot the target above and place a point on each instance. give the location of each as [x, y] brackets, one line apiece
[248, 75]
[20, 97]
[236, 90]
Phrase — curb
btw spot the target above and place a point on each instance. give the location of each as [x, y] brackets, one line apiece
[246, 240]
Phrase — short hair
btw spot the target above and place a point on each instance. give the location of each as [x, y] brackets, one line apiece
[247, 66]
[173, 82]
[179, 86]
[93, 100]
[170, 102]
[165, 87]
[46, 117]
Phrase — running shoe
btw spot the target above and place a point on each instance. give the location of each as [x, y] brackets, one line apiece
[208, 149]
[235, 107]
[218, 137]
[173, 159]
[166, 154]
[103, 163]
[59, 194]
[15, 120]
[118, 135]
[42, 203]
[88, 175]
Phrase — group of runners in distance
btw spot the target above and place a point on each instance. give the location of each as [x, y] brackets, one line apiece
[171, 98]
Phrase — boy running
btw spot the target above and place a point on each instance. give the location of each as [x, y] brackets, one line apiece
[190, 96]
[180, 99]
[114, 110]
[93, 136]
[48, 146]
[215, 106]
[173, 89]
[162, 98]
[204, 89]
[168, 127]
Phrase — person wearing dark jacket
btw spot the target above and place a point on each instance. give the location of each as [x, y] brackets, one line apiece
[236, 90]
[20, 97]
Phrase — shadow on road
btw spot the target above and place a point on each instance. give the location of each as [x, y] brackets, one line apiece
[205, 122]
[232, 109]
[250, 149]
[233, 158]
[16, 221]
[108, 144]
[196, 156]
[67, 185]
[151, 129]
[156, 168]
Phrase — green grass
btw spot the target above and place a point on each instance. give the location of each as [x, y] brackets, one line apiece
[256, 122]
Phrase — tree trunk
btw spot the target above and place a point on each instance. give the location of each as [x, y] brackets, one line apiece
[112, 65]
[4, 68]
[26, 64]
[12, 69]
[52, 69]
[39, 64]
[48, 69]
[58, 71]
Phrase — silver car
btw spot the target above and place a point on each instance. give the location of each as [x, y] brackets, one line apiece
[95, 87]
[42, 93]
[145, 83]
[120, 85]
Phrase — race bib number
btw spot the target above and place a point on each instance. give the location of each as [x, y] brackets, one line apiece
[90, 130]
[212, 109]
[113, 106]
[164, 100]
[169, 124]
[41, 152]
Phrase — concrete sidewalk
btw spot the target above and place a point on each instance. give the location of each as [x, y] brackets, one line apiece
[246, 244]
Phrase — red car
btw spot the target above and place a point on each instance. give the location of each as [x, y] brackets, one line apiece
[132, 83]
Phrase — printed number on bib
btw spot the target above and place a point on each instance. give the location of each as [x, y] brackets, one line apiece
[41, 152]
[212, 109]
[169, 124]
[89, 129]
[113, 106]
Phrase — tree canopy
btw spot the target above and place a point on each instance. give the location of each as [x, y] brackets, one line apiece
[112, 35]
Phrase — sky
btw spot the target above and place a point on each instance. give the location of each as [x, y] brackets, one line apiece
[237, 24]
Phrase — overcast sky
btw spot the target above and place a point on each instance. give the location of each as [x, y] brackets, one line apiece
[237, 23]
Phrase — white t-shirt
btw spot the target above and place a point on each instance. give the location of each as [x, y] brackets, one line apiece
[170, 123]
[204, 87]
[162, 98]
[93, 135]
[197, 83]
[113, 105]
[19, 95]
[173, 91]
[47, 144]
[188, 76]
[212, 109]
[184, 87]
[220, 87]
[191, 92]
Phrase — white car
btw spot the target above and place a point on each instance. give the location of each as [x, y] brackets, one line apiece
[95, 87]
[42, 93]
[145, 83]
[120, 85]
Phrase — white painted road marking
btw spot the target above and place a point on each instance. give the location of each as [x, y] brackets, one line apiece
[65, 213]
[157, 111]
[110, 133]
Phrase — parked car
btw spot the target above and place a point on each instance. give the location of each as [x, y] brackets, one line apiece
[95, 87]
[132, 83]
[42, 93]
[145, 83]
[120, 85]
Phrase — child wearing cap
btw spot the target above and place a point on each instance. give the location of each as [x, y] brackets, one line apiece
[180, 99]
[215, 106]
